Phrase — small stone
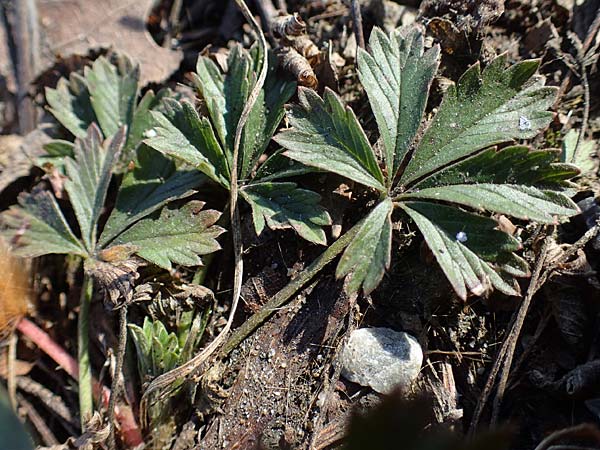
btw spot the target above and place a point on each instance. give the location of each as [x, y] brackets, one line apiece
[382, 359]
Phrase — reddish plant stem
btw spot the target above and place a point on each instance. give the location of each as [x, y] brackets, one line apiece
[130, 431]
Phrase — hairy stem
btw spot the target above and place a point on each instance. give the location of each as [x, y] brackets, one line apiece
[289, 290]
[86, 405]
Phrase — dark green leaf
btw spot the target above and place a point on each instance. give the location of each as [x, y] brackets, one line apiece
[284, 205]
[38, 227]
[176, 236]
[148, 187]
[181, 133]
[523, 202]
[368, 256]
[483, 109]
[396, 75]
[89, 175]
[328, 136]
[465, 245]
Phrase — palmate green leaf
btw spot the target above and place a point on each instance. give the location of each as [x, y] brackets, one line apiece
[177, 236]
[152, 184]
[70, 104]
[181, 133]
[89, 175]
[113, 93]
[284, 205]
[522, 202]
[397, 74]
[368, 256]
[465, 246]
[38, 227]
[106, 94]
[483, 109]
[515, 164]
[265, 117]
[226, 94]
[328, 136]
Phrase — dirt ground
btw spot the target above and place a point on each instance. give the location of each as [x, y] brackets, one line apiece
[281, 386]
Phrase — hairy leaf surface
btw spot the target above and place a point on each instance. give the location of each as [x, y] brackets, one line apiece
[464, 245]
[512, 165]
[483, 109]
[284, 205]
[396, 74]
[181, 133]
[368, 256]
[177, 236]
[88, 179]
[523, 202]
[148, 187]
[70, 104]
[38, 227]
[226, 94]
[112, 94]
[327, 135]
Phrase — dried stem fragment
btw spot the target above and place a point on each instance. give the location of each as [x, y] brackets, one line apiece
[288, 26]
[293, 62]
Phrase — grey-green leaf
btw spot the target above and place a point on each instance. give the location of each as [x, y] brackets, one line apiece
[465, 246]
[88, 176]
[264, 117]
[70, 104]
[178, 235]
[38, 227]
[512, 165]
[225, 96]
[483, 109]
[523, 202]
[583, 159]
[284, 205]
[327, 135]
[397, 74]
[112, 94]
[148, 187]
[181, 133]
[368, 256]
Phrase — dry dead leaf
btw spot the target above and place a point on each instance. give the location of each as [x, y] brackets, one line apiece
[76, 26]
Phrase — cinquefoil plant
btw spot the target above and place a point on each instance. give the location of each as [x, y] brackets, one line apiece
[447, 178]
[140, 224]
[207, 142]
